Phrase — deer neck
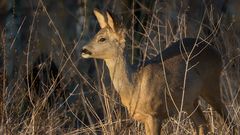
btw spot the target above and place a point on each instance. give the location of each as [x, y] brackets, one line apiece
[122, 76]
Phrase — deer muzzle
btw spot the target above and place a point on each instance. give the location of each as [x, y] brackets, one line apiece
[86, 53]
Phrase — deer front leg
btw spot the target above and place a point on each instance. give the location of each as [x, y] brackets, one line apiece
[153, 126]
[147, 129]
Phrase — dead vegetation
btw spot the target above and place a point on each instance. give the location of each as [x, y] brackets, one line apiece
[81, 100]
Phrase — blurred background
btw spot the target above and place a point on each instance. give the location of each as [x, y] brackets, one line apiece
[47, 88]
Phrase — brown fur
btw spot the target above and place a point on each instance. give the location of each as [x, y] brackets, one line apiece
[154, 91]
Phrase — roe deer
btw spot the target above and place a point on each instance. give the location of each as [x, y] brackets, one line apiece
[154, 91]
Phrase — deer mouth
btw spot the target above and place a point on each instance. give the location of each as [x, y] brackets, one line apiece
[86, 53]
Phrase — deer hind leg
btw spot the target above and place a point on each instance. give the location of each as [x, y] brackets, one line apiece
[198, 118]
[222, 110]
[220, 107]
[153, 126]
[215, 100]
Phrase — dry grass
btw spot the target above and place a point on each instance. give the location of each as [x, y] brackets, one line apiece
[93, 107]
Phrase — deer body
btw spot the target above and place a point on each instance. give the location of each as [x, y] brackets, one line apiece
[154, 91]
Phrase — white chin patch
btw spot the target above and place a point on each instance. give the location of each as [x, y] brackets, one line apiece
[84, 55]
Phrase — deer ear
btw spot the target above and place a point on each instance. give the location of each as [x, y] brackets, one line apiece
[122, 33]
[110, 21]
[101, 19]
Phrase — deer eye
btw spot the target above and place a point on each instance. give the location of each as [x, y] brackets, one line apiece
[102, 39]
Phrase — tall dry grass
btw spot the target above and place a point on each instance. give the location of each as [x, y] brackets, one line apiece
[91, 106]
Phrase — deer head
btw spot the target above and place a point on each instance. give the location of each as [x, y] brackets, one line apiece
[108, 43]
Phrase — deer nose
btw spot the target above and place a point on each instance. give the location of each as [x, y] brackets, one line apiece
[86, 51]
